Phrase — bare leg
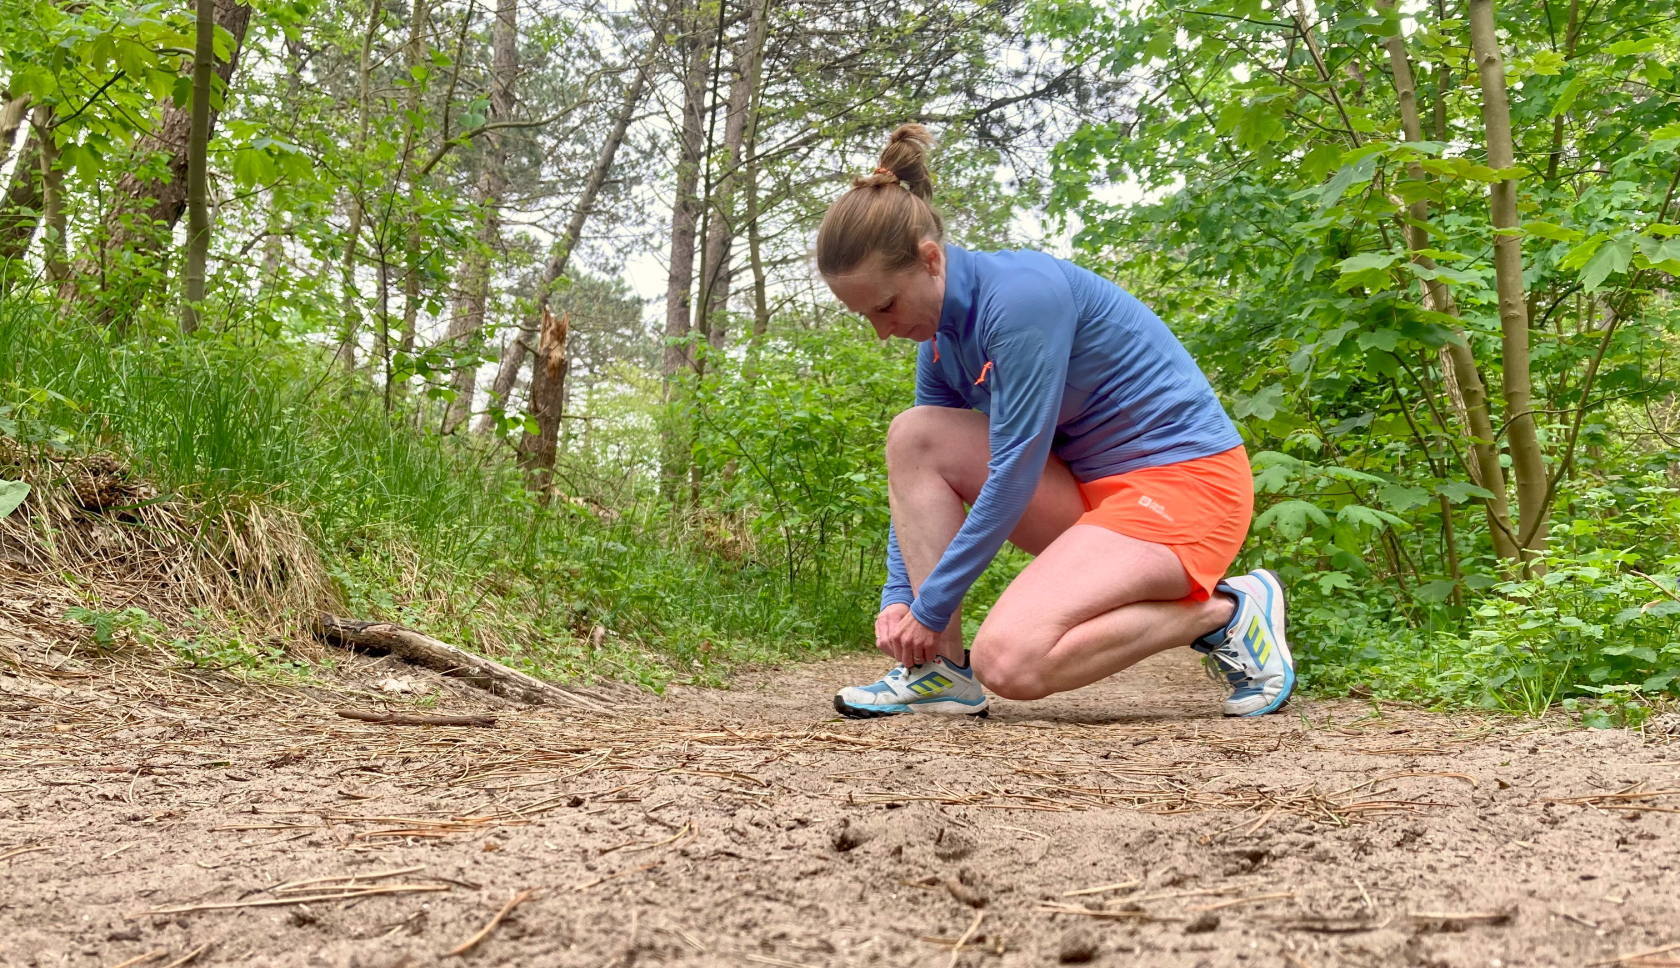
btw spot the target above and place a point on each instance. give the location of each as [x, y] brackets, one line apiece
[1092, 604]
[936, 464]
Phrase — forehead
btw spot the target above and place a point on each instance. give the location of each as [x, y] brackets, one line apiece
[864, 288]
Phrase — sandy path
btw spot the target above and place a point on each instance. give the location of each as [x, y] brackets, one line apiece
[750, 827]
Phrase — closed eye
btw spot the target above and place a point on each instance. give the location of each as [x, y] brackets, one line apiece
[888, 306]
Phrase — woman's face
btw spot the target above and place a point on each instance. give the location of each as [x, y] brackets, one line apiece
[905, 303]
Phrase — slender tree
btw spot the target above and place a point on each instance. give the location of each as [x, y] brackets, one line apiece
[467, 321]
[1458, 361]
[198, 164]
[1527, 463]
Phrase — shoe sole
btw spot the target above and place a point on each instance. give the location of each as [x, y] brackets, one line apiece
[864, 712]
[1288, 689]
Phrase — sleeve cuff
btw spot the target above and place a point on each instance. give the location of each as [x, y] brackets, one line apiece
[937, 624]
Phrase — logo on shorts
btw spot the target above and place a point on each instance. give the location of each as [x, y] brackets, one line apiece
[1155, 506]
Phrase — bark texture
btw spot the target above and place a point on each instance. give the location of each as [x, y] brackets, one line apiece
[467, 321]
[384, 638]
[679, 358]
[548, 388]
[725, 224]
[1457, 358]
[20, 211]
[144, 210]
[198, 164]
[1527, 464]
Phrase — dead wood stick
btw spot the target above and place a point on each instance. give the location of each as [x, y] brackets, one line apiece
[1638, 954]
[413, 719]
[484, 932]
[956, 949]
[189, 956]
[385, 638]
[298, 899]
[142, 959]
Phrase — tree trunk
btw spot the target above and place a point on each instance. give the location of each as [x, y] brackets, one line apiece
[725, 221]
[413, 242]
[548, 376]
[513, 354]
[349, 292]
[1526, 461]
[467, 322]
[755, 234]
[198, 164]
[20, 212]
[53, 242]
[1457, 357]
[678, 361]
[143, 212]
[12, 113]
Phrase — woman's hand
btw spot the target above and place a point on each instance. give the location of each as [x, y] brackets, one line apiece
[900, 635]
[885, 623]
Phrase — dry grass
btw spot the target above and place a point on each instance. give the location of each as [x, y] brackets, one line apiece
[91, 534]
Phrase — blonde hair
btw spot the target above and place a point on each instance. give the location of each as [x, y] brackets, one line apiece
[885, 215]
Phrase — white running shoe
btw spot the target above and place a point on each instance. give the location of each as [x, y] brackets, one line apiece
[1251, 651]
[938, 688]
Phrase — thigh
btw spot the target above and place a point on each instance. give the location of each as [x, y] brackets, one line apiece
[956, 445]
[1084, 573]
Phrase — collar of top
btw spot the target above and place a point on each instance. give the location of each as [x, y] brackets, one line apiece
[958, 309]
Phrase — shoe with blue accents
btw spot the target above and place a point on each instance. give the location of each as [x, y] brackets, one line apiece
[1250, 652]
[938, 688]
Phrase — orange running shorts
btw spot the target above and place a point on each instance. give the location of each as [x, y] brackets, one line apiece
[1199, 508]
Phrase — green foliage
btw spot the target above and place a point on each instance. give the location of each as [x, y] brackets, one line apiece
[1271, 234]
[421, 529]
[111, 628]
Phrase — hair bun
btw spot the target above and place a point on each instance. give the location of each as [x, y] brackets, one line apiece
[905, 158]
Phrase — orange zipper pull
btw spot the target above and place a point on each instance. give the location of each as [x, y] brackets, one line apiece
[936, 348]
[983, 371]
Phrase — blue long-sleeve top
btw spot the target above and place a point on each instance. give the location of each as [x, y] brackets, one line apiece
[1059, 359]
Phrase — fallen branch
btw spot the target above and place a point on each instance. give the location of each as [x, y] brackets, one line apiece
[484, 932]
[384, 638]
[300, 899]
[411, 719]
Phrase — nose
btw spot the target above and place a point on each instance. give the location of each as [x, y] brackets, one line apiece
[883, 329]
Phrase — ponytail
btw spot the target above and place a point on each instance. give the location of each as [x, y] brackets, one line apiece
[885, 215]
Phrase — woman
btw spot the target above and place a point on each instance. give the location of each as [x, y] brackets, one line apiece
[1072, 422]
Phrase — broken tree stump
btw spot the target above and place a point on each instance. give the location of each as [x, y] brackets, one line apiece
[416, 648]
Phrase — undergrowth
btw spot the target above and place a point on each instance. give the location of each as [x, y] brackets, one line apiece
[436, 533]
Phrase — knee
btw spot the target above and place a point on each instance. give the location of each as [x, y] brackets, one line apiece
[1008, 673]
[915, 434]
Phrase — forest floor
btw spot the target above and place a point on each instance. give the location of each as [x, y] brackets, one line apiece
[156, 819]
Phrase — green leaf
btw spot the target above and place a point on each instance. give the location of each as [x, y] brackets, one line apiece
[1290, 518]
[1612, 257]
[1361, 514]
[1551, 230]
[1547, 62]
[1639, 45]
[12, 494]
[1382, 339]
[1566, 100]
[1329, 581]
[1402, 498]
[1346, 177]
[1460, 491]
[1367, 269]
[1435, 592]
[1263, 404]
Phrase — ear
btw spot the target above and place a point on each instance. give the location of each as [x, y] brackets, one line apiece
[932, 256]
